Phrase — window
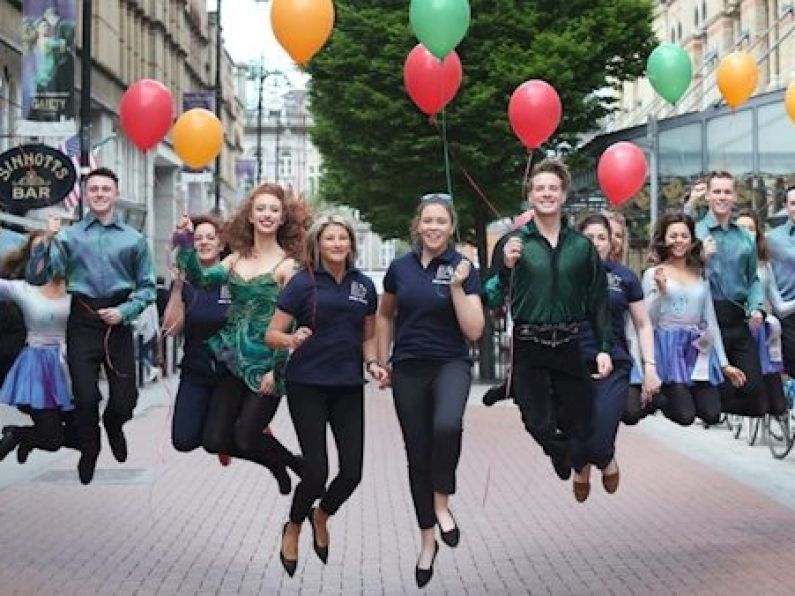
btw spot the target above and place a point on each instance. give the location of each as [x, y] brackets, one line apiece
[285, 165]
[387, 253]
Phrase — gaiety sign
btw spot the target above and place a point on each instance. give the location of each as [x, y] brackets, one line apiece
[34, 176]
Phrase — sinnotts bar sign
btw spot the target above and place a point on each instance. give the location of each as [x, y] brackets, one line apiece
[34, 176]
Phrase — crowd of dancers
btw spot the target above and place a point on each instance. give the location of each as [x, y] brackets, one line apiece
[271, 304]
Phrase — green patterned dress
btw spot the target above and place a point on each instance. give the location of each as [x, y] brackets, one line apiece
[240, 344]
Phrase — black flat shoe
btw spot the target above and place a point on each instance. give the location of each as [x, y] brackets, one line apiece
[423, 576]
[282, 478]
[495, 394]
[10, 440]
[322, 551]
[450, 537]
[86, 466]
[288, 564]
[118, 444]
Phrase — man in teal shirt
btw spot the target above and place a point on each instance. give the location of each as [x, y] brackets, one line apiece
[555, 281]
[736, 291]
[109, 273]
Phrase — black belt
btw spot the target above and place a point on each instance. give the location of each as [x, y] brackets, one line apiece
[546, 334]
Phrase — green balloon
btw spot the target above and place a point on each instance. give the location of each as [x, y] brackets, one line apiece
[440, 25]
[670, 71]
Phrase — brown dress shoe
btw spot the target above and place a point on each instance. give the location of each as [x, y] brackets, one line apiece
[581, 490]
[610, 482]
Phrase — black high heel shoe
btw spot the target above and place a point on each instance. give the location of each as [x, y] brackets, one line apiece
[288, 564]
[423, 576]
[451, 537]
[322, 551]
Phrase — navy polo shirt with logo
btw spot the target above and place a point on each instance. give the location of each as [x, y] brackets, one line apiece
[335, 313]
[426, 326]
[623, 289]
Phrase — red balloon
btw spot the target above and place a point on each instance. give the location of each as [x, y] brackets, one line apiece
[146, 111]
[534, 112]
[431, 83]
[622, 172]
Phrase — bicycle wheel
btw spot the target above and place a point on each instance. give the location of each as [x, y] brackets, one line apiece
[753, 430]
[781, 440]
[736, 424]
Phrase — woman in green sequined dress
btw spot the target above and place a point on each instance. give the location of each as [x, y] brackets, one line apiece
[266, 236]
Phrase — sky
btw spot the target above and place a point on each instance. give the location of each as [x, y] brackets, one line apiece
[248, 35]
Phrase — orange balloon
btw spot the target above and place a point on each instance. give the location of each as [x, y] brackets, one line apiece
[789, 101]
[302, 26]
[737, 77]
[198, 137]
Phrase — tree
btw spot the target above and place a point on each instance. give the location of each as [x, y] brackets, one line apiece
[380, 153]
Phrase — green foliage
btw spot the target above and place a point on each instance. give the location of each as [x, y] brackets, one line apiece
[380, 152]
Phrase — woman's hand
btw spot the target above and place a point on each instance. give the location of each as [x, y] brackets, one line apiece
[651, 382]
[299, 337]
[735, 376]
[461, 273]
[380, 374]
[604, 365]
[660, 279]
[267, 385]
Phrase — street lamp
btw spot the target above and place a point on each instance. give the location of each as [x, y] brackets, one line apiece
[260, 73]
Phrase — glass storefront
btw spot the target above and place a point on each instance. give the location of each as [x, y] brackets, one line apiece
[755, 143]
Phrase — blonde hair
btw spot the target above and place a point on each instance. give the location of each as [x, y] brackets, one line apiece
[312, 257]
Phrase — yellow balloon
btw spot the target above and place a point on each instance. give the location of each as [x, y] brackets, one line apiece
[737, 77]
[789, 101]
[302, 26]
[198, 137]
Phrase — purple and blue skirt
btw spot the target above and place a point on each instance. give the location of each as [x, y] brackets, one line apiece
[686, 355]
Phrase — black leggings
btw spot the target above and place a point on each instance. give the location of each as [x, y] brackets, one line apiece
[51, 430]
[683, 403]
[312, 407]
[235, 423]
[430, 397]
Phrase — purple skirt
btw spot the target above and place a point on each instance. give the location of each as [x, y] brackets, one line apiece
[677, 355]
[38, 380]
[769, 366]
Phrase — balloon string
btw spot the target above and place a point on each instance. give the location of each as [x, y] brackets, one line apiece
[478, 191]
[526, 177]
[446, 154]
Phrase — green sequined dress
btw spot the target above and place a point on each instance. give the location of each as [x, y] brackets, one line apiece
[240, 344]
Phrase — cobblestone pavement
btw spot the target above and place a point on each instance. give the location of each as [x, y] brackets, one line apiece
[171, 523]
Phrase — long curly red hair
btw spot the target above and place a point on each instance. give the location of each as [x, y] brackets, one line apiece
[239, 232]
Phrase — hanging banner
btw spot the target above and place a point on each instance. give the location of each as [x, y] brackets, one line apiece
[34, 176]
[48, 68]
[198, 99]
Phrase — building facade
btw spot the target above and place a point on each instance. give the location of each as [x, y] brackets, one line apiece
[172, 41]
[755, 142]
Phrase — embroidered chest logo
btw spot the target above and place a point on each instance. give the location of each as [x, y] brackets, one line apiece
[444, 274]
[358, 292]
[225, 296]
[614, 283]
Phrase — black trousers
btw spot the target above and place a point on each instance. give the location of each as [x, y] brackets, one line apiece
[235, 422]
[191, 408]
[312, 407]
[742, 351]
[430, 397]
[90, 343]
[788, 341]
[553, 390]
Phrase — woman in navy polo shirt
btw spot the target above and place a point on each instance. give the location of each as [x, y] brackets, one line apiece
[332, 305]
[431, 298]
[204, 316]
[611, 393]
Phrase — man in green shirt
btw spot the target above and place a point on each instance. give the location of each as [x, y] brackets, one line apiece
[555, 282]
